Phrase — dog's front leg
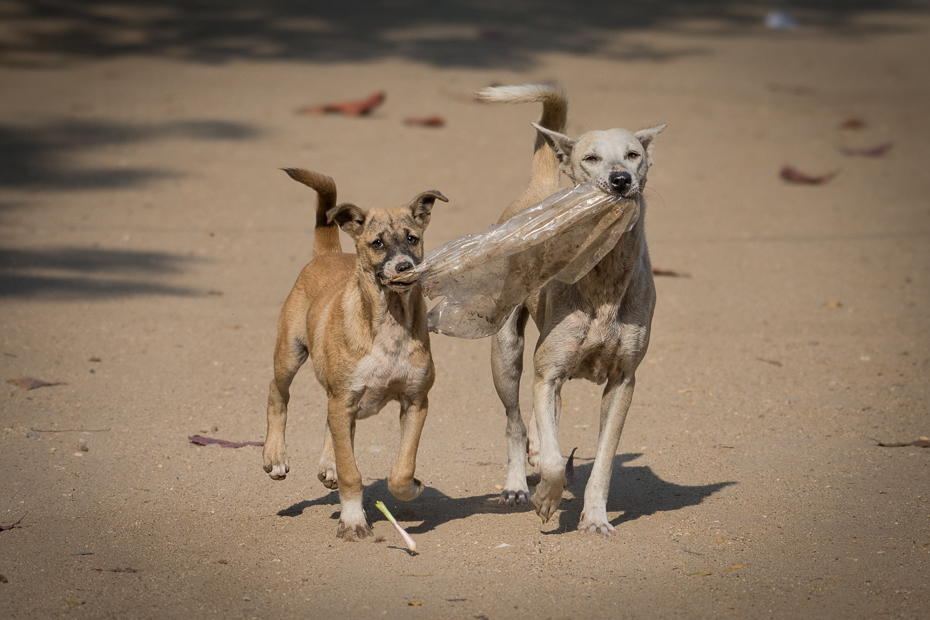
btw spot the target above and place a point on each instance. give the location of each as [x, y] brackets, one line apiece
[352, 522]
[402, 483]
[614, 406]
[552, 469]
[506, 368]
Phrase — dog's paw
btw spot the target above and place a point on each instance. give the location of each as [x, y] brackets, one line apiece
[277, 471]
[406, 492]
[595, 522]
[327, 474]
[547, 497]
[514, 497]
[516, 488]
[274, 460]
[353, 532]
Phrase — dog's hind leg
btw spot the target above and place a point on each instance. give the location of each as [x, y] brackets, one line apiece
[614, 406]
[290, 354]
[506, 369]
[327, 473]
[401, 482]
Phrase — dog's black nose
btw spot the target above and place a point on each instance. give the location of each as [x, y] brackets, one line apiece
[620, 181]
[404, 266]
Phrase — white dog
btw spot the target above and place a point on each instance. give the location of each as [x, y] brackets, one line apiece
[595, 329]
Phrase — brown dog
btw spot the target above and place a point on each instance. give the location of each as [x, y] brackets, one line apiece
[367, 337]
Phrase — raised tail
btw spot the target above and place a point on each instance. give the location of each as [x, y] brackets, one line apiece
[326, 234]
[554, 115]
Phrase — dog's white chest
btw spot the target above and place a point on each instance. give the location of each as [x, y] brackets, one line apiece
[598, 345]
[386, 373]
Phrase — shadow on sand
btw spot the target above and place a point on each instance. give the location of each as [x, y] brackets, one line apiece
[78, 273]
[465, 33]
[39, 157]
[636, 491]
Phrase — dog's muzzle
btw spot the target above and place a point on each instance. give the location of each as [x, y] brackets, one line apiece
[620, 183]
[400, 279]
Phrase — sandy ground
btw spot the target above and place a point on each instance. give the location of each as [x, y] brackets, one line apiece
[149, 240]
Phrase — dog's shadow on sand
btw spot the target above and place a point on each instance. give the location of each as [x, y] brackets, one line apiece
[634, 492]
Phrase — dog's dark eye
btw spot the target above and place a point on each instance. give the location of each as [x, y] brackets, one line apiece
[413, 240]
[632, 155]
[377, 244]
[591, 159]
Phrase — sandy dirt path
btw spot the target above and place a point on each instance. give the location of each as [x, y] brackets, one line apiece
[148, 240]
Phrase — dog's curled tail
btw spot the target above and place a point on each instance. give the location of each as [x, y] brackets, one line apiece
[326, 234]
[554, 115]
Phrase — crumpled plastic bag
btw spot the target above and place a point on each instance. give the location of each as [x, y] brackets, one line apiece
[482, 277]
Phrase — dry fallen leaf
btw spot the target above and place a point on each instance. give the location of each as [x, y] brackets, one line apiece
[3, 528]
[920, 443]
[656, 271]
[852, 123]
[789, 173]
[415, 603]
[31, 383]
[732, 568]
[570, 468]
[223, 443]
[349, 108]
[425, 121]
[875, 151]
[772, 362]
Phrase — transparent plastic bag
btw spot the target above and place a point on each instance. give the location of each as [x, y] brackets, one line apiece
[483, 277]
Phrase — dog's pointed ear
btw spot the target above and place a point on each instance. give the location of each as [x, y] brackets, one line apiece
[560, 143]
[646, 136]
[348, 217]
[422, 206]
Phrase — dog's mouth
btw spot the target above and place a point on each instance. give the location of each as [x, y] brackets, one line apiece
[399, 282]
[620, 184]
[626, 193]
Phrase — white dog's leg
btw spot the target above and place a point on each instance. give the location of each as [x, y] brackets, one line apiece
[506, 368]
[614, 406]
[552, 469]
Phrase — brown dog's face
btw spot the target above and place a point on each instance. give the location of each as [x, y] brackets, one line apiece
[388, 241]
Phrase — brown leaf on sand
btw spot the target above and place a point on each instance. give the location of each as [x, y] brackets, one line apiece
[4, 528]
[570, 468]
[31, 383]
[348, 108]
[425, 121]
[875, 151]
[200, 440]
[789, 173]
[923, 442]
[671, 273]
[852, 123]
